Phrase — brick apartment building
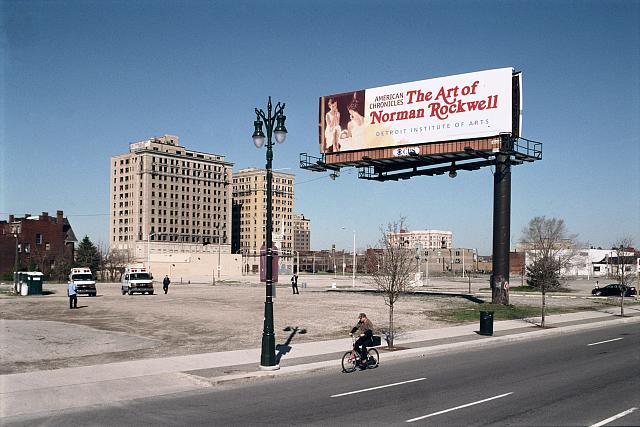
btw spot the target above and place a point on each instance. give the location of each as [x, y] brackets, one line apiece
[41, 242]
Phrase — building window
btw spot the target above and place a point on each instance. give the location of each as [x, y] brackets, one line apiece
[39, 238]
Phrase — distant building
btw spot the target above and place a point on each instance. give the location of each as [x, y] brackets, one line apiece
[437, 253]
[589, 263]
[165, 198]
[301, 233]
[250, 213]
[428, 239]
[484, 263]
[41, 242]
[517, 263]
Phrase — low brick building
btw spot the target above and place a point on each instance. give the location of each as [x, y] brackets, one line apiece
[40, 242]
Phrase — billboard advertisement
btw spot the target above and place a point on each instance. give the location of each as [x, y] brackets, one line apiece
[464, 106]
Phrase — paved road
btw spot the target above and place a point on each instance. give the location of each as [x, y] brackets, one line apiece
[575, 379]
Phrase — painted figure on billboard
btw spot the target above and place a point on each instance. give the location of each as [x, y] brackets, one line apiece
[343, 121]
[332, 127]
[356, 121]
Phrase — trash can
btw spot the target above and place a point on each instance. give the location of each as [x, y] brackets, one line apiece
[34, 281]
[30, 283]
[486, 323]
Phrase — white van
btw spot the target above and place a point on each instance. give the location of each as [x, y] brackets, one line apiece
[84, 281]
[137, 279]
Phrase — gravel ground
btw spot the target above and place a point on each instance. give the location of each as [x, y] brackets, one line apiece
[41, 332]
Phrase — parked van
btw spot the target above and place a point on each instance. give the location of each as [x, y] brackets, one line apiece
[137, 279]
[84, 281]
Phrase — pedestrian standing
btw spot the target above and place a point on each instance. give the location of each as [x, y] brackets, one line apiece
[165, 283]
[294, 284]
[72, 291]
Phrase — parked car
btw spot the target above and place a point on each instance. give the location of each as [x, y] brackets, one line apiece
[615, 290]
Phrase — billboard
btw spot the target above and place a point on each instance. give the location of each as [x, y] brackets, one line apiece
[465, 106]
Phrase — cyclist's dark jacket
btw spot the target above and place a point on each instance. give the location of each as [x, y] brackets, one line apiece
[364, 328]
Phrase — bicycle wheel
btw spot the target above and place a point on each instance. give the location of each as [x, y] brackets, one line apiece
[348, 362]
[373, 358]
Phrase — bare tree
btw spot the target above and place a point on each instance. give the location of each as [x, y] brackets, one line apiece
[624, 275]
[115, 263]
[396, 266]
[42, 259]
[550, 248]
[102, 253]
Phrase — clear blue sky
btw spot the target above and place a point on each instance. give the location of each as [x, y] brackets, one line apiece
[82, 79]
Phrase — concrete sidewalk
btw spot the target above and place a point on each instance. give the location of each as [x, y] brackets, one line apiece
[45, 391]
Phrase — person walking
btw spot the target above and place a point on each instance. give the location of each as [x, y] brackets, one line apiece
[72, 291]
[294, 284]
[165, 283]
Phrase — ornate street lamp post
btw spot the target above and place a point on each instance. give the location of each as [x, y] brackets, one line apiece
[268, 353]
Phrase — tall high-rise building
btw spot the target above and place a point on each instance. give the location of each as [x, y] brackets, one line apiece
[301, 233]
[250, 210]
[163, 194]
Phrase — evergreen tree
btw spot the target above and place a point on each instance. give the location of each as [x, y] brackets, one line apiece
[87, 255]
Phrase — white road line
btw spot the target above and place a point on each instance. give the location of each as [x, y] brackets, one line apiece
[457, 407]
[377, 388]
[615, 417]
[602, 342]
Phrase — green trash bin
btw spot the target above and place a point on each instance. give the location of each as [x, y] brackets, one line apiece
[486, 322]
[33, 282]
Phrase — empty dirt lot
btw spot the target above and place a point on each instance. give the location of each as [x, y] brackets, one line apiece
[41, 332]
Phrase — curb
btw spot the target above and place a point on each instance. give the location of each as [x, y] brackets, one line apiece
[161, 384]
[426, 351]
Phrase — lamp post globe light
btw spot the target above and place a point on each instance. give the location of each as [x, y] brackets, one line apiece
[268, 352]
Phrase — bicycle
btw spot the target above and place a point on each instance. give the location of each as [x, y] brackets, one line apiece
[351, 359]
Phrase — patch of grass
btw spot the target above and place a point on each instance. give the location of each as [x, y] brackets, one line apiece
[7, 291]
[470, 314]
[228, 282]
[533, 290]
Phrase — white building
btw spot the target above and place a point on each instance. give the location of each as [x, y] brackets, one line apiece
[428, 239]
[590, 263]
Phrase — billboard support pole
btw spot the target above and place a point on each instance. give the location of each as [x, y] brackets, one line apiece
[501, 223]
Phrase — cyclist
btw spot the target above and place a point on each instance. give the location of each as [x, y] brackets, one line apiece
[364, 329]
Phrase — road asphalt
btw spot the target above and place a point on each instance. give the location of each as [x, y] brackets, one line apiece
[38, 392]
